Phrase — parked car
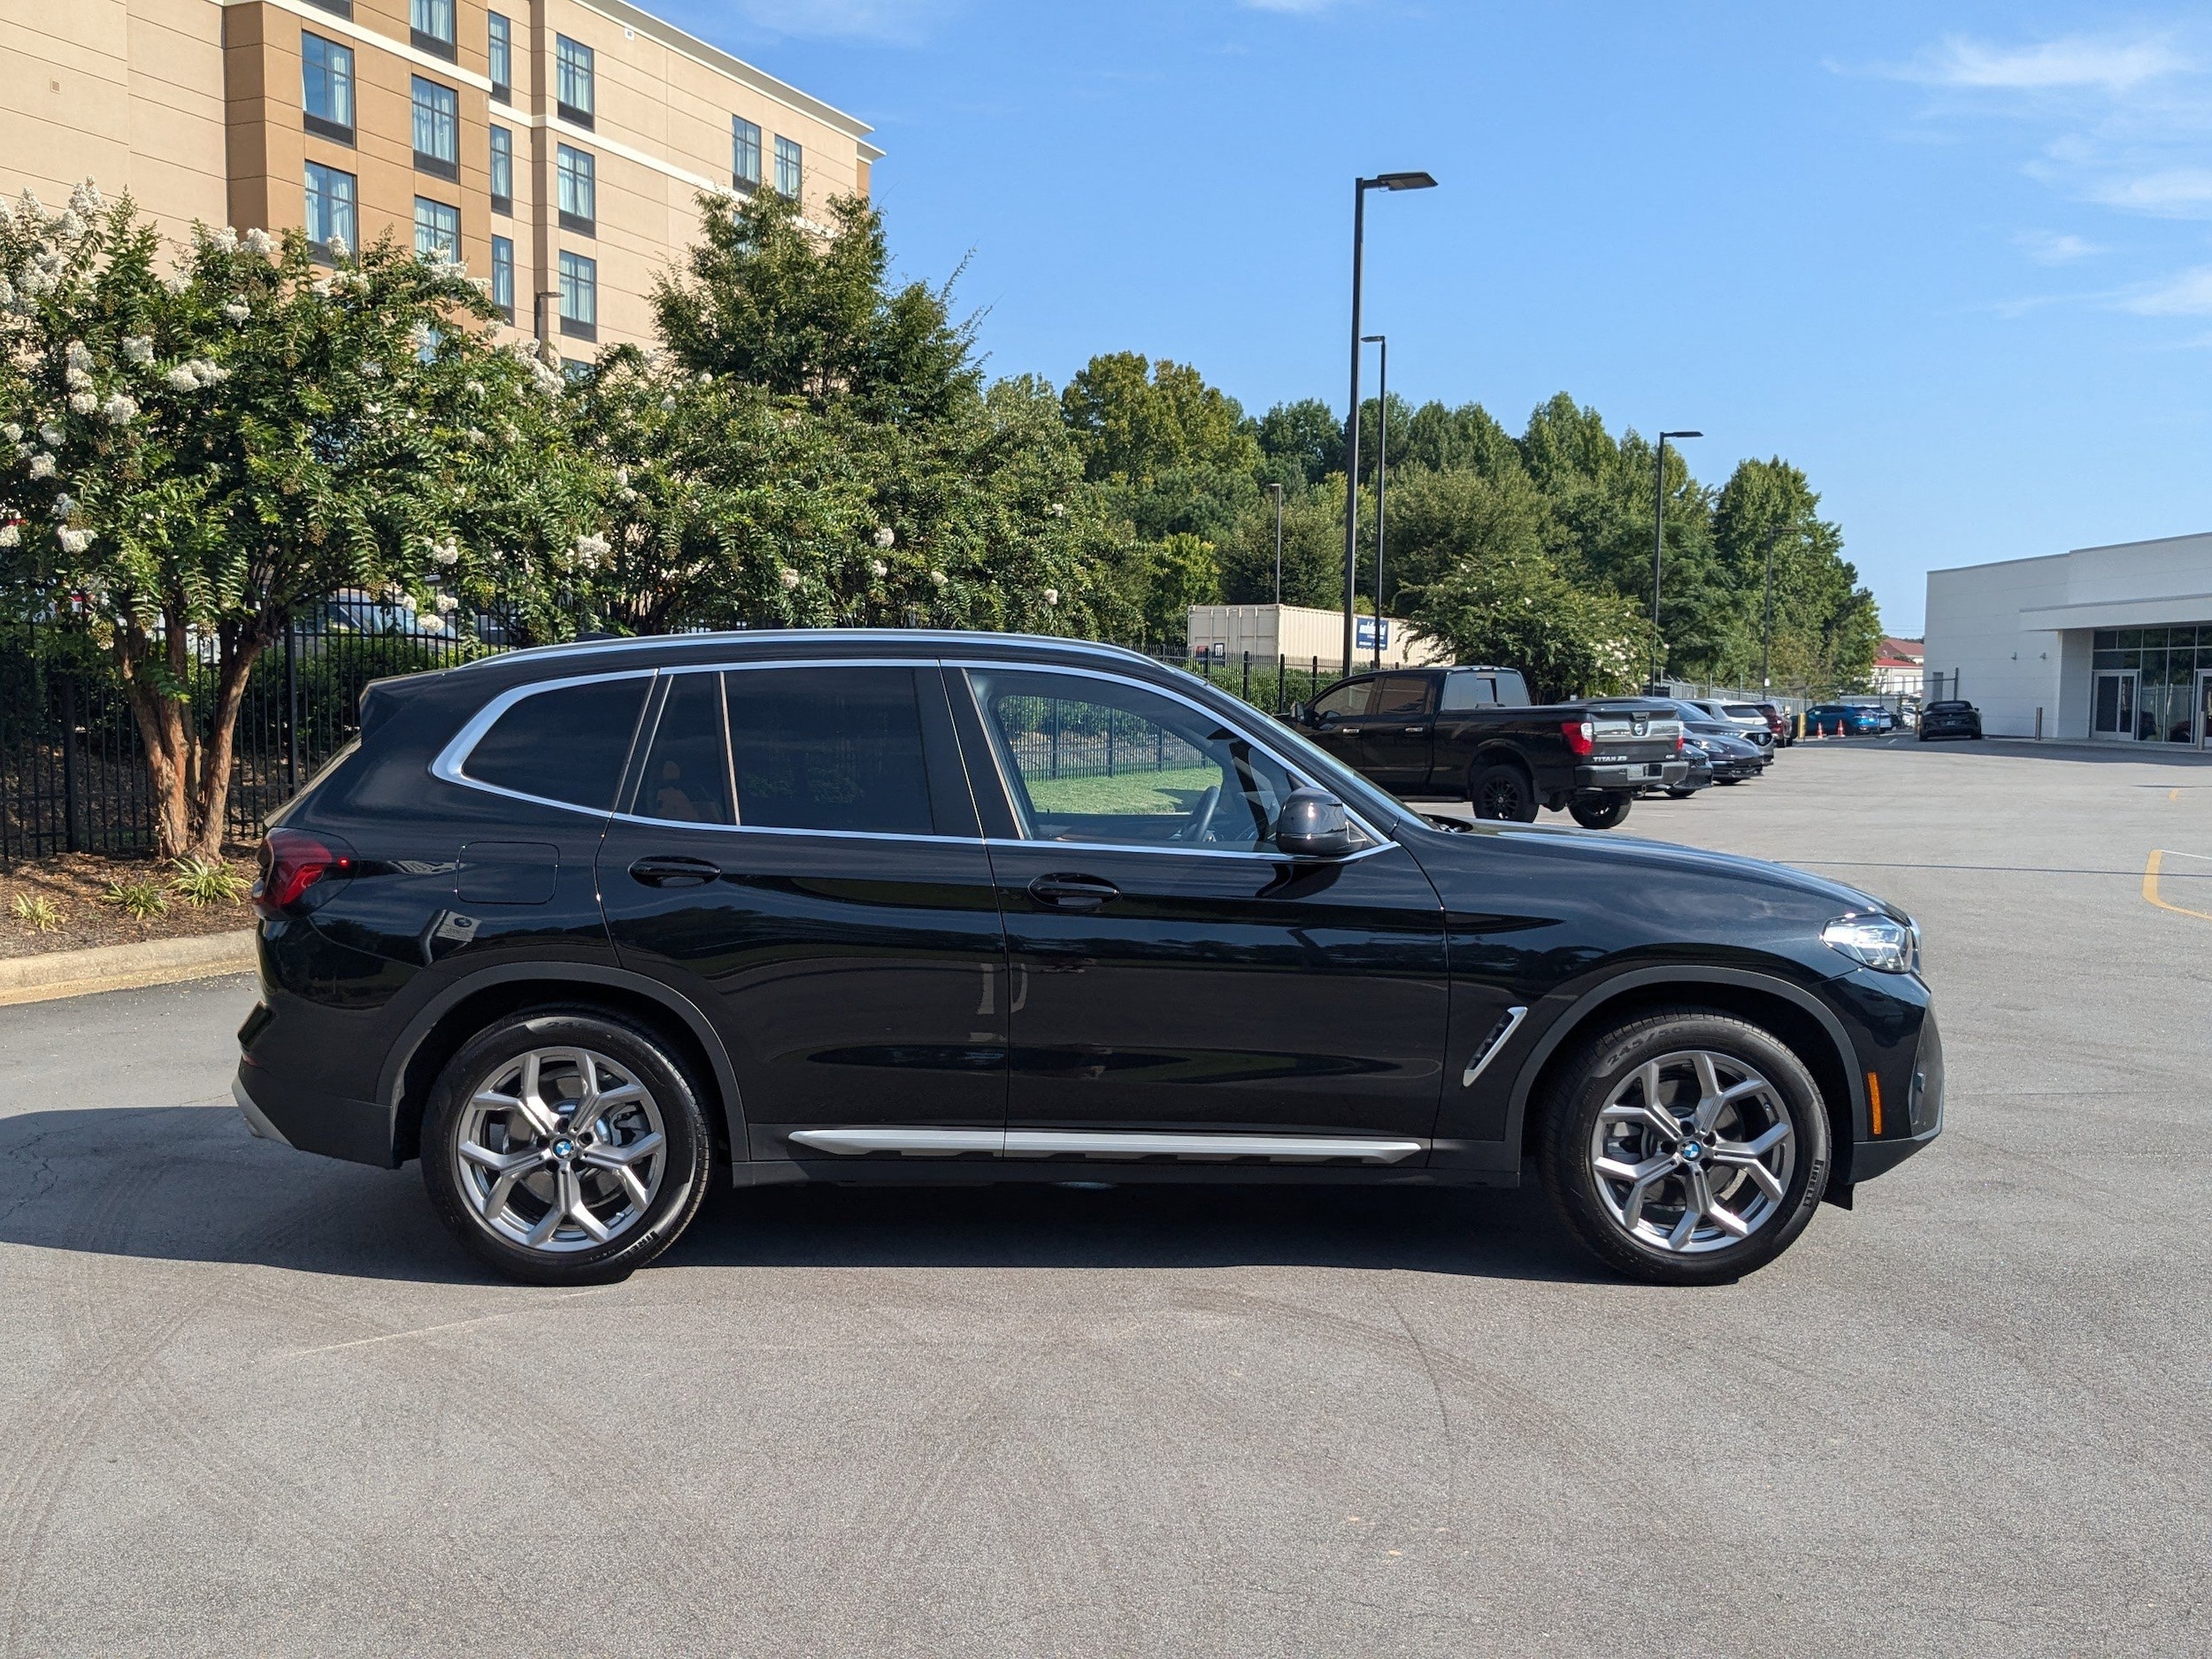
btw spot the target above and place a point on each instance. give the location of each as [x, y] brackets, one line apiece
[1951, 717]
[1749, 719]
[1698, 774]
[1470, 732]
[1728, 757]
[1781, 724]
[588, 927]
[1842, 720]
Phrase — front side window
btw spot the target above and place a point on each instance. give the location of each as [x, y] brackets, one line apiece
[437, 230]
[829, 749]
[1347, 702]
[437, 128]
[330, 215]
[744, 153]
[1102, 761]
[503, 275]
[580, 296]
[502, 171]
[432, 26]
[327, 86]
[579, 185]
[686, 776]
[567, 744]
[790, 170]
[572, 88]
[500, 55]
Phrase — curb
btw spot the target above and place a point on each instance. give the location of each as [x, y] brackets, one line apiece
[124, 967]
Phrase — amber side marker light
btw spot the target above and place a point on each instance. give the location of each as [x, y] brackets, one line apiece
[1874, 1102]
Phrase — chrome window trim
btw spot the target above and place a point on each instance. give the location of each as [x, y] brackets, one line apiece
[1266, 748]
[448, 767]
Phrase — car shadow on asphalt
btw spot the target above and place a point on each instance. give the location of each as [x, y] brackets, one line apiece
[189, 1184]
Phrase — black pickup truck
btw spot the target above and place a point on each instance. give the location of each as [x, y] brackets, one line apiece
[1470, 732]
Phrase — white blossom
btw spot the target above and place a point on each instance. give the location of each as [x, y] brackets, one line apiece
[69, 226]
[86, 199]
[76, 379]
[887, 537]
[422, 338]
[74, 540]
[937, 578]
[1058, 510]
[10, 536]
[182, 379]
[210, 373]
[238, 311]
[12, 433]
[319, 287]
[258, 241]
[370, 368]
[878, 569]
[1052, 595]
[788, 577]
[668, 402]
[51, 434]
[64, 504]
[176, 282]
[83, 403]
[476, 435]
[338, 249]
[38, 282]
[447, 552]
[77, 355]
[447, 604]
[139, 348]
[223, 240]
[119, 410]
[590, 549]
[622, 478]
[7, 288]
[475, 390]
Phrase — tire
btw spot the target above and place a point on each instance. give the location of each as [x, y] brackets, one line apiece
[1681, 794]
[1602, 813]
[1601, 1156]
[566, 1161]
[1502, 791]
[1728, 783]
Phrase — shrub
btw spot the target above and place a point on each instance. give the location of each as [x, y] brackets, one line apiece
[141, 897]
[36, 912]
[207, 882]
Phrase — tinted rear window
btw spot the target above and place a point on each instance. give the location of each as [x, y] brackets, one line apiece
[566, 744]
[1464, 690]
[829, 749]
[1402, 693]
[1741, 712]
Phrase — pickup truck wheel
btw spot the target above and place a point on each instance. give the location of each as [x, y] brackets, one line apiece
[1601, 811]
[1503, 791]
[1685, 1147]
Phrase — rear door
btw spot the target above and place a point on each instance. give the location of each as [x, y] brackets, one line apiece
[799, 853]
[1398, 736]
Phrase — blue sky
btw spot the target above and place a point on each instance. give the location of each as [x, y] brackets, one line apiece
[1952, 259]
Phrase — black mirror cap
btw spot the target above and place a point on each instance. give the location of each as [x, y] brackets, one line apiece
[1299, 714]
[1314, 825]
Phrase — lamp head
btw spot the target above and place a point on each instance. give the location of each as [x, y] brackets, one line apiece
[1403, 181]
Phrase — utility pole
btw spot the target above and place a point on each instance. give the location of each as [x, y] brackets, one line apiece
[1278, 488]
[1659, 544]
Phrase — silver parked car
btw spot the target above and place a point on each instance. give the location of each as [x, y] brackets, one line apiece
[1753, 720]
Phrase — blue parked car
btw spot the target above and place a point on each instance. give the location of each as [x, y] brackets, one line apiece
[1844, 719]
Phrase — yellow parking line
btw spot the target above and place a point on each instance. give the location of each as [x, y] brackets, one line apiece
[2150, 887]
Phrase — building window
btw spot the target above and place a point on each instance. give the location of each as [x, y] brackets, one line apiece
[502, 169]
[336, 8]
[744, 154]
[572, 92]
[432, 29]
[580, 296]
[327, 86]
[437, 128]
[437, 230]
[330, 220]
[503, 275]
[500, 55]
[789, 171]
[580, 191]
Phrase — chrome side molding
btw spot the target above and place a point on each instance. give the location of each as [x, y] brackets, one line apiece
[1488, 1049]
[1107, 1144]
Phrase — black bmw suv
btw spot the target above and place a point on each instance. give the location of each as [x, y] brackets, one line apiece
[588, 927]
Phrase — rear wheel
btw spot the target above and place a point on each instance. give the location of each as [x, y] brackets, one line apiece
[1599, 812]
[1685, 1146]
[564, 1147]
[1502, 791]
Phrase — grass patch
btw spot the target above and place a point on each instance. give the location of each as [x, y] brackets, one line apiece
[140, 896]
[1174, 793]
[36, 912]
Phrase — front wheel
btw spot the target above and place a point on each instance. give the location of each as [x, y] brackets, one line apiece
[1502, 791]
[564, 1147]
[1599, 812]
[1685, 1146]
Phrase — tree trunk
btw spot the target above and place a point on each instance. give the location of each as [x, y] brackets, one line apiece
[238, 650]
[158, 691]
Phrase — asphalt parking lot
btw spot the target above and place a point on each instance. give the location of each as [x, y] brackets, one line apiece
[254, 1401]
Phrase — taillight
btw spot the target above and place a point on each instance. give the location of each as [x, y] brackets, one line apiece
[1680, 743]
[1581, 736]
[293, 861]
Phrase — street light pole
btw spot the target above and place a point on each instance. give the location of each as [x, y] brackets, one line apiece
[1659, 544]
[1766, 645]
[1278, 488]
[1382, 476]
[1360, 188]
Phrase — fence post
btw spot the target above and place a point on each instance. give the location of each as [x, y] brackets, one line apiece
[1247, 693]
[291, 717]
[1056, 737]
[70, 839]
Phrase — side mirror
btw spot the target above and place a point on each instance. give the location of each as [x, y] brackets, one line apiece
[1314, 825]
[1300, 715]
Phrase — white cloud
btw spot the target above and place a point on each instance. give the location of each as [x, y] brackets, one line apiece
[2075, 61]
[2188, 294]
[2172, 192]
[2049, 246]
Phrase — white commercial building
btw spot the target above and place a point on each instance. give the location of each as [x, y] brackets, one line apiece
[2113, 644]
[1302, 635]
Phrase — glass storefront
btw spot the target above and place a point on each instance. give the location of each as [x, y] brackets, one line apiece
[2152, 685]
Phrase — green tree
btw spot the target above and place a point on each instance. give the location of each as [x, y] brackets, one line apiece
[202, 455]
[1302, 442]
[1518, 610]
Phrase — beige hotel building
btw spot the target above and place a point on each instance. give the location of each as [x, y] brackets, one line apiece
[556, 146]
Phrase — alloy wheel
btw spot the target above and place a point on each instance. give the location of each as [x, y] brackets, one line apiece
[1693, 1152]
[560, 1149]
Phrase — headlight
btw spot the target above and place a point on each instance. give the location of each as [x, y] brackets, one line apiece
[1879, 941]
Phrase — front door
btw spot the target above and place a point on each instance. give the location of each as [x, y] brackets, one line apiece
[2112, 705]
[1400, 731]
[801, 856]
[1174, 975]
[2204, 708]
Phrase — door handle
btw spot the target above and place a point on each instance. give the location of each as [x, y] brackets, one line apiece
[1072, 892]
[1415, 731]
[670, 870]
